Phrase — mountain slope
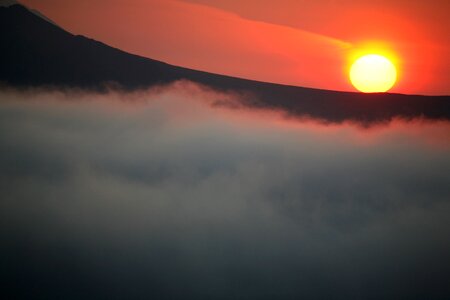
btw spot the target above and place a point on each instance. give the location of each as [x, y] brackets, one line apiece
[35, 52]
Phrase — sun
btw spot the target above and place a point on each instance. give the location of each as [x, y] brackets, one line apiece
[373, 73]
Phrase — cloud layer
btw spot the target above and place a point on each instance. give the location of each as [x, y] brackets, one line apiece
[167, 194]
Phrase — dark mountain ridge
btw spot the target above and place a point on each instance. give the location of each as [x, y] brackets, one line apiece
[35, 52]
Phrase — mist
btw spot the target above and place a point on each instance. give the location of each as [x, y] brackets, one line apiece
[180, 192]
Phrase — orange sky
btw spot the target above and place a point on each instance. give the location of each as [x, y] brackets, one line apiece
[297, 42]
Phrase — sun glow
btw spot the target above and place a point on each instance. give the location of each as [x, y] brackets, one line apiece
[373, 73]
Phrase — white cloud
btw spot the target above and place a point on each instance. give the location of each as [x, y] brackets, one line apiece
[161, 193]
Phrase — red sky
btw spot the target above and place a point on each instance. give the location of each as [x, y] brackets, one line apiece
[299, 42]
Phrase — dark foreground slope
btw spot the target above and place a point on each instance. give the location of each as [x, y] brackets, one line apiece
[34, 52]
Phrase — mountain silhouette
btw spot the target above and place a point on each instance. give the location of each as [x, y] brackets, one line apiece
[35, 52]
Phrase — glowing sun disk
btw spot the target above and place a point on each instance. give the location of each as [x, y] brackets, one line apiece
[373, 73]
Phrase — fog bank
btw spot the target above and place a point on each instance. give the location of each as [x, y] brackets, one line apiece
[182, 193]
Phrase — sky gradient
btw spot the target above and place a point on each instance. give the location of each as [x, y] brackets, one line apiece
[296, 42]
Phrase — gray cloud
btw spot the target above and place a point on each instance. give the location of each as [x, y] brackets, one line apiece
[165, 194]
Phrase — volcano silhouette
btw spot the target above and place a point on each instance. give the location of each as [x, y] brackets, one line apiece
[36, 52]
